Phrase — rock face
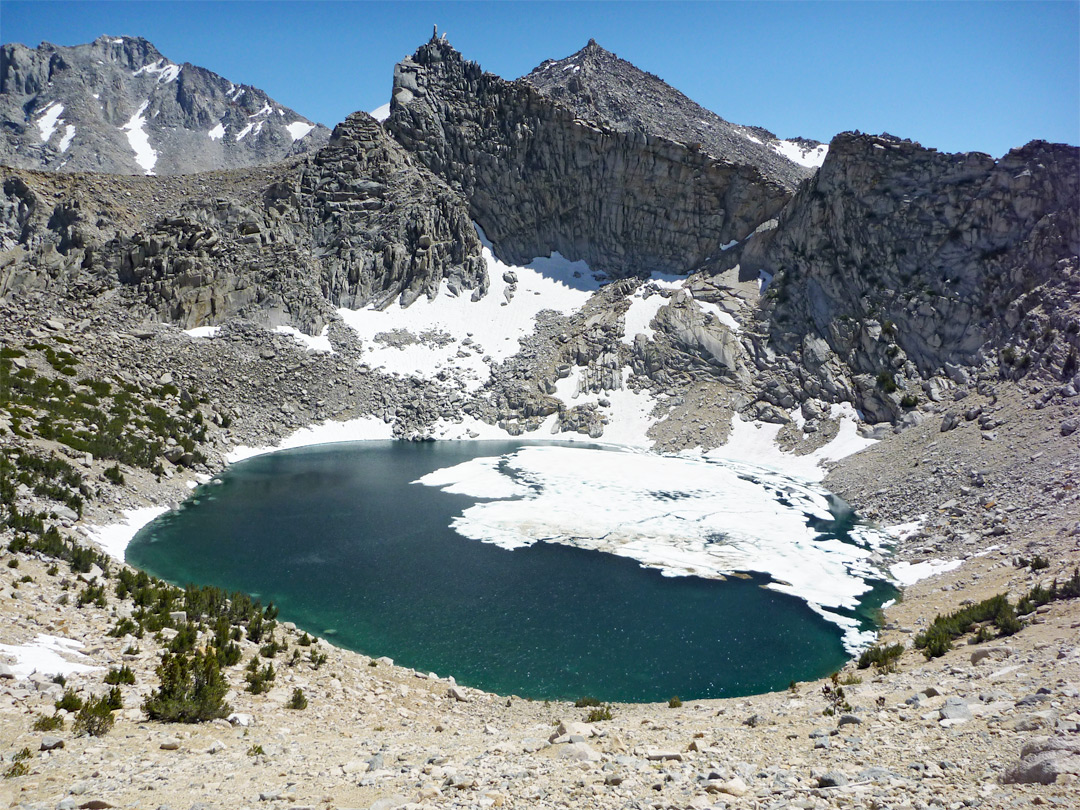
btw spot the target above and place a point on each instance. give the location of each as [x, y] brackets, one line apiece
[539, 178]
[904, 264]
[599, 86]
[118, 106]
[357, 222]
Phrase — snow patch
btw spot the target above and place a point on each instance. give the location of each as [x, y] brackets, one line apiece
[145, 155]
[203, 331]
[811, 157]
[165, 71]
[755, 443]
[365, 428]
[264, 111]
[217, 133]
[49, 120]
[46, 656]
[65, 142]
[298, 129]
[453, 333]
[382, 112]
[909, 573]
[314, 343]
[114, 538]
[244, 132]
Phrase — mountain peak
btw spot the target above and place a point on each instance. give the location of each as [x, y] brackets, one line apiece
[597, 85]
[118, 105]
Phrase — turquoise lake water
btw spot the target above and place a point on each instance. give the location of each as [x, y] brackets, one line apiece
[349, 548]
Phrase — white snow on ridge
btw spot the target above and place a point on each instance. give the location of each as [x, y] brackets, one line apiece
[145, 155]
[683, 515]
[65, 142]
[166, 72]
[264, 111]
[217, 133]
[382, 112]
[243, 133]
[796, 153]
[49, 120]
[298, 129]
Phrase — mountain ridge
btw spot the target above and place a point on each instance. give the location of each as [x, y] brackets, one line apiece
[118, 106]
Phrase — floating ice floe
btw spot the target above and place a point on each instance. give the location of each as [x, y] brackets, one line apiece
[682, 515]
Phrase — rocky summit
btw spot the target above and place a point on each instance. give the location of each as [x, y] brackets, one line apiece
[118, 106]
[900, 324]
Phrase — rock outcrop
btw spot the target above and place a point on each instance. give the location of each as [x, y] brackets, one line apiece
[539, 178]
[908, 265]
[358, 222]
[118, 106]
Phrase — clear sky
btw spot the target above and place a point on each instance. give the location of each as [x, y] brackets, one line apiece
[956, 76]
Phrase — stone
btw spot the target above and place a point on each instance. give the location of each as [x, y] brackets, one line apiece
[955, 709]
[832, 779]
[170, 744]
[457, 694]
[51, 743]
[1043, 760]
[579, 752]
[1070, 426]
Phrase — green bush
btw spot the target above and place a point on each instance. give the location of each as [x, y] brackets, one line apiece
[69, 701]
[586, 702]
[881, 657]
[122, 675]
[259, 679]
[192, 689]
[95, 717]
[48, 722]
[674, 702]
[601, 713]
[298, 699]
[114, 474]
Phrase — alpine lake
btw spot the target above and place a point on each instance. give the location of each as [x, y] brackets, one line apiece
[349, 545]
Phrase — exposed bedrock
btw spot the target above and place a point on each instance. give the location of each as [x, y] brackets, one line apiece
[539, 179]
[913, 268]
[356, 223]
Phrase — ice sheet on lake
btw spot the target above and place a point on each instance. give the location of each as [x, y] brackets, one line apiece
[682, 515]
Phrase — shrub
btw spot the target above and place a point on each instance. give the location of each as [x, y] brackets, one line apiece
[114, 474]
[586, 702]
[1039, 563]
[674, 702]
[69, 701]
[298, 699]
[937, 639]
[49, 722]
[18, 764]
[122, 675]
[95, 717]
[886, 381]
[259, 679]
[835, 699]
[192, 689]
[598, 714]
[881, 657]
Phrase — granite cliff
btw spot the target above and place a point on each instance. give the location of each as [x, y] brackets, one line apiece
[541, 178]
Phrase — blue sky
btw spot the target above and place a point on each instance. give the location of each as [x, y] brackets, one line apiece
[956, 76]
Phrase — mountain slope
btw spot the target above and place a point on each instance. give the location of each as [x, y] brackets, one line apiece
[118, 106]
[598, 85]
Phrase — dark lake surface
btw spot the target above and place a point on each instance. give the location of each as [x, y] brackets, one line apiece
[349, 548]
